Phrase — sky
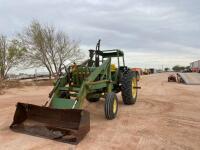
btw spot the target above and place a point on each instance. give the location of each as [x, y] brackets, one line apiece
[152, 33]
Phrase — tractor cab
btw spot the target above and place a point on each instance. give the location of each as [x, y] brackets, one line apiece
[115, 53]
[117, 61]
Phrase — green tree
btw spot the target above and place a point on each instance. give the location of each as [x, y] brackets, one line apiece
[187, 67]
[166, 69]
[178, 68]
[11, 54]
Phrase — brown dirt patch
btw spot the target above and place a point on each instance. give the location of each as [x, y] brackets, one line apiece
[165, 116]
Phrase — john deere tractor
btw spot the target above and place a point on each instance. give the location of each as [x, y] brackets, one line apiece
[62, 117]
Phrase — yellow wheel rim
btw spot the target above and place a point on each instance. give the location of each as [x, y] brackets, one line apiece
[134, 90]
[114, 106]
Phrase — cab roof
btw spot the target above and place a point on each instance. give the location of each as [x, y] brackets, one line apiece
[111, 53]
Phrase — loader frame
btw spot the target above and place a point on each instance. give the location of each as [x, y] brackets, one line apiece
[98, 80]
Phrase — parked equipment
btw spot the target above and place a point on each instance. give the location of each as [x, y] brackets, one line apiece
[195, 66]
[172, 78]
[138, 72]
[62, 117]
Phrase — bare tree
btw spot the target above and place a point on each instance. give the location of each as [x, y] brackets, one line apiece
[48, 48]
[11, 54]
[2, 55]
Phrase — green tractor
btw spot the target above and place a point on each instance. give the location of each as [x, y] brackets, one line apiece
[62, 118]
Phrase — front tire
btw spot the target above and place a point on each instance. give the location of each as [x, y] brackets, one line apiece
[129, 90]
[111, 106]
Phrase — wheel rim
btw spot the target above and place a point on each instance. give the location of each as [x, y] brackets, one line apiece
[134, 85]
[114, 106]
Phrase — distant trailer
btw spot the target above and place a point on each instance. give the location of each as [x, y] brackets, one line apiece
[195, 66]
[152, 70]
[138, 70]
[189, 78]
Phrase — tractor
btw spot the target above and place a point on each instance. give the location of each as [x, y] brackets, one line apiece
[63, 118]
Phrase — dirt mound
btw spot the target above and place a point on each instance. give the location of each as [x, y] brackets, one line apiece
[6, 84]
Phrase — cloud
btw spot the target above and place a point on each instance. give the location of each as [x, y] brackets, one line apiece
[151, 32]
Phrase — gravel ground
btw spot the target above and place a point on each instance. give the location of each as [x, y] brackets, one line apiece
[165, 116]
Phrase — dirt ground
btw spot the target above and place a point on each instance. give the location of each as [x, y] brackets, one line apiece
[165, 116]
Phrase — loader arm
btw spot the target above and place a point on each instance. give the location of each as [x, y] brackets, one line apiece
[93, 83]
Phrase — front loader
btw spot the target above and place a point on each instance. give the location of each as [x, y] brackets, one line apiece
[62, 118]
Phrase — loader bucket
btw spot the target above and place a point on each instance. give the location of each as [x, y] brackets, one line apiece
[66, 125]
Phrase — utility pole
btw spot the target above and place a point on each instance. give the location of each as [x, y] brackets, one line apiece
[36, 74]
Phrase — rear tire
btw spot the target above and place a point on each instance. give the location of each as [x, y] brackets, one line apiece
[111, 106]
[129, 92]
